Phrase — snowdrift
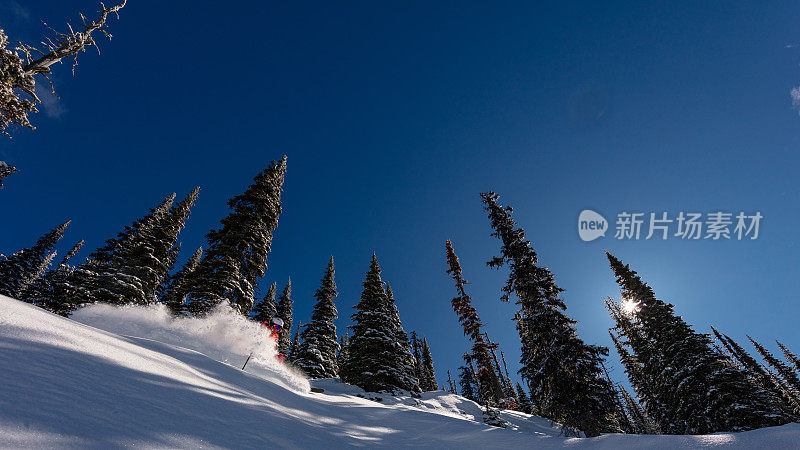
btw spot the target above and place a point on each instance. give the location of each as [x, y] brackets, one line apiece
[225, 336]
[125, 377]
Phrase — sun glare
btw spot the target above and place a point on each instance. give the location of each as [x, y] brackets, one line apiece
[629, 306]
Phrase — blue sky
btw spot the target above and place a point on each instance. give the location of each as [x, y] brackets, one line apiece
[394, 117]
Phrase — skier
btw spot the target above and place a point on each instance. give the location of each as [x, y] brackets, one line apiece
[275, 326]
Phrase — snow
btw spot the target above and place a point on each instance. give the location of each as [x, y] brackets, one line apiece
[133, 377]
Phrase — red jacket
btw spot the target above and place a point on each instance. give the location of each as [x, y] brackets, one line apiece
[275, 334]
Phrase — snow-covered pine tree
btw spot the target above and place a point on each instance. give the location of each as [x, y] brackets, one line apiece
[28, 264]
[791, 357]
[285, 312]
[563, 372]
[5, 168]
[125, 239]
[504, 389]
[783, 371]
[48, 292]
[783, 380]
[488, 385]
[623, 421]
[643, 381]
[758, 373]
[407, 361]
[511, 390]
[491, 416]
[106, 276]
[41, 288]
[342, 356]
[428, 382]
[265, 309]
[373, 361]
[703, 392]
[131, 268]
[71, 253]
[153, 251]
[174, 296]
[523, 400]
[641, 423]
[43, 268]
[170, 261]
[236, 256]
[316, 355]
[415, 352]
[295, 344]
[467, 383]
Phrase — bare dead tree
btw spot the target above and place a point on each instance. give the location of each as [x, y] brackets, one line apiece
[20, 65]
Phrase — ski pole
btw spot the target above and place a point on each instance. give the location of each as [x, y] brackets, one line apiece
[247, 360]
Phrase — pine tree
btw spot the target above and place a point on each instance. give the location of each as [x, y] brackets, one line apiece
[511, 392]
[169, 263]
[407, 361]
[44, 267]
[237, 253]
[622, 419]
[488, 385]
[132, 267]
[41, 288]
[317, 353]
[755, 371]
[626, 424]
[791, 357]
[374, 361]
[266, 309]
[701, 391]
[174, 296]
[504, 389]
[284, 312]
[428, 381]
[491, 416]
[154, 250]
[468, 383]
[415, 352]
[71, 253]
[642, 424]
[48, 291]
[644, 382]
[451, 387]
[343, 355]
[106, 275]
[28, 264]
[128, 237]
[562, 371]
[294, 346]
[784, 371]
[523, 401]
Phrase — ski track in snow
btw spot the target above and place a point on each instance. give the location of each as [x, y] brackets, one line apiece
[133, 377]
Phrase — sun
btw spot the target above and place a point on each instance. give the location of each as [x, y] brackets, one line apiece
[629, 306]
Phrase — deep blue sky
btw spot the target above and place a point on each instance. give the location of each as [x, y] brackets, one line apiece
[395, 117]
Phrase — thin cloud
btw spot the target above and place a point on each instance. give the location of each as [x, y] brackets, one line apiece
[16, 10]
[795, 95]
[51, 104]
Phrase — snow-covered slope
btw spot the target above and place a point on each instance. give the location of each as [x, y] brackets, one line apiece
[149, 382]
